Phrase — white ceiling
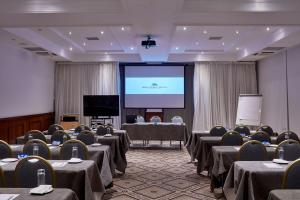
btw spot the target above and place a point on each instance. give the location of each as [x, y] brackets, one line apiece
[181, 28]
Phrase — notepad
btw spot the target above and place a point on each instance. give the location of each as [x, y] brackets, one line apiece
[1, 164]
[272, 165]
[14, 146]
[237, 148]
[59, 164]
[8, 196]
[52, 147]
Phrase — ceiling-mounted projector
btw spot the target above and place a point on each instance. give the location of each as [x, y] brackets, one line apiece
[148, 43]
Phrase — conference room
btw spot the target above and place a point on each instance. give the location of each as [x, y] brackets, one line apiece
[149, 99]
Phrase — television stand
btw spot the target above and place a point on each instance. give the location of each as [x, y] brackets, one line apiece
[97, 120]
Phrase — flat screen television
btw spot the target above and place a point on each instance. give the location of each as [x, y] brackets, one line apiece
[101, 105]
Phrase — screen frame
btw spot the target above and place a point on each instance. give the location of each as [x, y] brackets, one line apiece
[115, 96]
[124, 65]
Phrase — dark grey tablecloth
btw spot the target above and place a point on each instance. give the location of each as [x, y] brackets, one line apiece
[83, 178]
[57, 194]
[100, 154]
[284, 194]
[253, 180]
[192, 142]
[160, 131]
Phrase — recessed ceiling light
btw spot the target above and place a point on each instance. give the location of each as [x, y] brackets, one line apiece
[205, 31]
[123, 28]
[268, 29]
[84, 44]
[176, 48]
[197, 43]
[184, 28]
[237, 48]
[102, 32]
[237, 32]
[70, 33]
[111, 44]
[223, 43]
[131, 48]
[202, 52]
[71, 49]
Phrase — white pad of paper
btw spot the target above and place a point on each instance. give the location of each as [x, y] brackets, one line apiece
[8, 196]
[59, 164]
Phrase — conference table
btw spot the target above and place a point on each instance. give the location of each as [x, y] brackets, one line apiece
[83, 178]
[253, 180]
[156, 131]
[99, 154]
[23, 194]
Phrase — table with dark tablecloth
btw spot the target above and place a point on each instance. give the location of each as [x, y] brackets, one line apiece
[83, 178]
[56, 194]
[284, 194]
[253, 180]
[100, 154]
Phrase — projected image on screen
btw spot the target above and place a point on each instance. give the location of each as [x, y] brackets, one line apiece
[154, 87]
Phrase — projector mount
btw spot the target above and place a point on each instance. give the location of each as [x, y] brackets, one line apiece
[149, 42]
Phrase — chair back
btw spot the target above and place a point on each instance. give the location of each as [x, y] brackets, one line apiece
[261, 136]
[53, 128]
[291, 150]
[82, 127]
[232, 138]
[66, 150]
[101, 130]
[177, 120]
[43, 151]
[60, 136]
[26, 172]
[286, 135]
[155, 119]
[2, 180]
[291, 177]
[5, 150]
[140, 119]
[35, 135]
[243, 130]
[217, 131]
[87, 137]
[252, 150]
[266, 129]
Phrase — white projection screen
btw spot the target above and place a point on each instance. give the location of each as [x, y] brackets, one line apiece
[154, 86]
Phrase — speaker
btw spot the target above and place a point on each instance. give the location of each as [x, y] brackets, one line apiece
[130, 119]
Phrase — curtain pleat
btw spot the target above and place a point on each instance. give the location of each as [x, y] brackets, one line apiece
[73, 80]
[217, 86]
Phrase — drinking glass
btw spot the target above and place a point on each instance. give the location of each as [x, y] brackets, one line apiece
[74, 152]
[281, 153]
[41, 176]
[35, 151]
[65, 138]
[30, 137]
[286, 136]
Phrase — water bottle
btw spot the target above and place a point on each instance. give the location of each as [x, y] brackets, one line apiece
[30, 137]
[74, 152]
[108, 130]
[286, 136]
[64, 138]
[41, 176]
[281, 153]
[35, 151]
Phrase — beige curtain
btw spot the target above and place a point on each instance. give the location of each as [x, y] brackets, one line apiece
[73, 80]
[217, 86]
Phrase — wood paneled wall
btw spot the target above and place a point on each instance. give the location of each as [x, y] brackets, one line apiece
[13, 127]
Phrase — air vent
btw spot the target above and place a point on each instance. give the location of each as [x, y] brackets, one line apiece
[273, 49]
[35, 49]
[92, 38]
[264, 53]
[203, 51]
[22, 44]
[215, 38]
[103, 51]
[42, 53]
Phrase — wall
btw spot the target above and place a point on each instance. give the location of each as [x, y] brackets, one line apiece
[26, 81]
[272, 85]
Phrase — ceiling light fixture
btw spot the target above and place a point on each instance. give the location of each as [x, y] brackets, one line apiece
[102, 32]
[237, 32]
[268, 29]
[84, 44]
[237, 48]
[197, 43]
[131, 48]
[70, 33]
[111, 44]
[223, 43]
[205, 31]
[123, 28]
[176, 48]
[71, 49]
[106, 53]
[184, 28]
[202, 52]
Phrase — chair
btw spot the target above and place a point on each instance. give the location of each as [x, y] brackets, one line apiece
[87, 137]
[44, 150]
[60, 136]
[2, 180]
[26, 172]
[266, 129]
[35, 135]
[291, 177]
[261, 136]
[140, 119]
[5, 150]
[82, 127]
[66, 150]
[155, 119]
[217, 131]
[232, 138]
[252, 150]
[291, 149]
[53, 128]
[286, 135]
[177, 120]
[101, 130]
[243, 130]
[110, 128]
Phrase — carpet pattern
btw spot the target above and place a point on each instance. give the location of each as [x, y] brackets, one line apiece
[160, 175]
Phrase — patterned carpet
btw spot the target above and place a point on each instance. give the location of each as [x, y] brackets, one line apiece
[159, 174]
